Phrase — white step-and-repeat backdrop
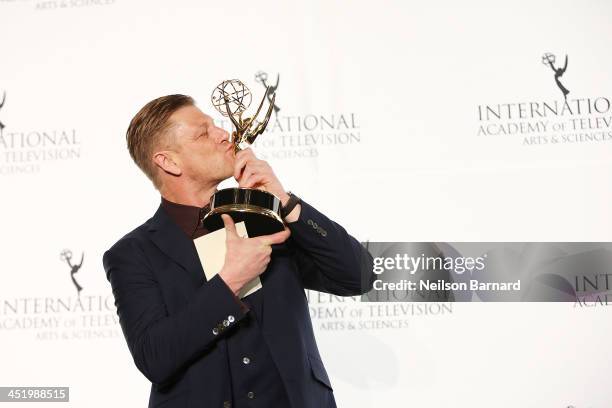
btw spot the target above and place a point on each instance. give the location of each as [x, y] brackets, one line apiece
[403, 120]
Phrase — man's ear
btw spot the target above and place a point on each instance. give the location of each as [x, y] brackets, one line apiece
[168, 162]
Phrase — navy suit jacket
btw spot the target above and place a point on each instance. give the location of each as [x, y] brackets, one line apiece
[169, 312]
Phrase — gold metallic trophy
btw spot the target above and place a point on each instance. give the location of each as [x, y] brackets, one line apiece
[259, 209]
[231, 98]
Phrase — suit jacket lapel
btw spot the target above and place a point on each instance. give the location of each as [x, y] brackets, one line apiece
[171, 240]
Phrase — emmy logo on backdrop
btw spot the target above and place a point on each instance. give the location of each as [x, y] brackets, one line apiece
[549, 59]
[66, 255]
[1, 105]
[262, 77]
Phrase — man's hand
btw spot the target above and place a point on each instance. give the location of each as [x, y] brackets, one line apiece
[251, 172]
[246, 258]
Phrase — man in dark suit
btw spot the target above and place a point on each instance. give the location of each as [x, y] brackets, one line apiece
[194, 339]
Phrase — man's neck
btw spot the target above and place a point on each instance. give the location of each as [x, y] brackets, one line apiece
[196, 197]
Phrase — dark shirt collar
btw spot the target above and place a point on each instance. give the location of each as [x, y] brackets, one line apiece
[187, 217]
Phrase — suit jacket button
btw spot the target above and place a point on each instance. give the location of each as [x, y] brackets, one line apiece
[227, 404]
[215, 331]
[250, 394]
[230, 319]
[225, 323]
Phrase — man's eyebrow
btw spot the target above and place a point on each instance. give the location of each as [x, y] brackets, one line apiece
[206, 122]
[202, 128]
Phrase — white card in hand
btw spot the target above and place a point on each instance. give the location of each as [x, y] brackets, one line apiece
[211, 251]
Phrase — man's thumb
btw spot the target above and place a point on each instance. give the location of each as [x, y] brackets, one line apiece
[230, 227]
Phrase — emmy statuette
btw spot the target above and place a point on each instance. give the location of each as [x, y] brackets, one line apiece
[259, 209]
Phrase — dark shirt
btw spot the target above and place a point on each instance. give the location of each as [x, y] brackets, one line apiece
[255, 380]
[187, 217]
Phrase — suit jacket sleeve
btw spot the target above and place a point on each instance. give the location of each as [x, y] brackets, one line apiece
[163, 345]
[328, 258]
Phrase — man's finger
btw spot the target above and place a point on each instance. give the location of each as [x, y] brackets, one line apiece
[239, 165]
[244, 175]
[248, 152]
[242, 158]
[276, 238]
[230, 227]
[253, 181]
